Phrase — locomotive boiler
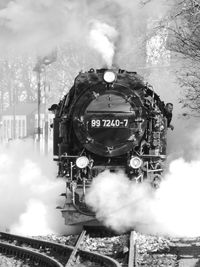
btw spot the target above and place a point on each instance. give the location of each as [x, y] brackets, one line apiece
[110, 119]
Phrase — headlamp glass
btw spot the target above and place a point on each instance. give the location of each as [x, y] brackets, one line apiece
[135, 162]
[82, 162]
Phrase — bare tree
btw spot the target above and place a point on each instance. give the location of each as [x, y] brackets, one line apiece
[17, 82]
[183, 25]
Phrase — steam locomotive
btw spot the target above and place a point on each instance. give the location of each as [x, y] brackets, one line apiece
[110, 119]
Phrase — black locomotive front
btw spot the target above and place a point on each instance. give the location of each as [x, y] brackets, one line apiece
[108, 120]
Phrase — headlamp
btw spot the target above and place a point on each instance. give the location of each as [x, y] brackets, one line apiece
[82, 162]
[109, 76]
[135, 162]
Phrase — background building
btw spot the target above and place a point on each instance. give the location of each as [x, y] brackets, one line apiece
[21, 121]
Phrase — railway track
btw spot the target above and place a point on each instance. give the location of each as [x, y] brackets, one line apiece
[131, 253]
[178, 254]
[98, 259]
[128, 257]
[132, 259]
[186, 253]
[41, 253]
[50, 254]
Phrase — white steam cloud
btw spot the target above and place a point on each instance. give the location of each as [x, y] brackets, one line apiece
[172, 210]
[110, 26]
[117, 201]
[102, 38]
[177, 201]
[29, 191]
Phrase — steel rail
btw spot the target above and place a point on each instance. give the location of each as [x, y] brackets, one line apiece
[73, 257]
[98, 258]
[57, 250]
[92, 256]
[70, 253]
[25, 253]
[132, 259]
[183, 253]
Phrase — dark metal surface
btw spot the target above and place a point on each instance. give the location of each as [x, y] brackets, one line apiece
[109, 105]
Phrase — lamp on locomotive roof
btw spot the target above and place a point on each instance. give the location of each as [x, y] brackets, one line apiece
[109, 76]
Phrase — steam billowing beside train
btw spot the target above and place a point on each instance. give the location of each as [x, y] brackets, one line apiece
[110, 119]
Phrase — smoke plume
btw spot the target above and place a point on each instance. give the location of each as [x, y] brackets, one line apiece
[102, 38]
[170, 210]
[109, 26]
[117, 201]
[29, 191]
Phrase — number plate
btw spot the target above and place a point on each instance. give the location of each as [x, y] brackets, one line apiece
[109, 123]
